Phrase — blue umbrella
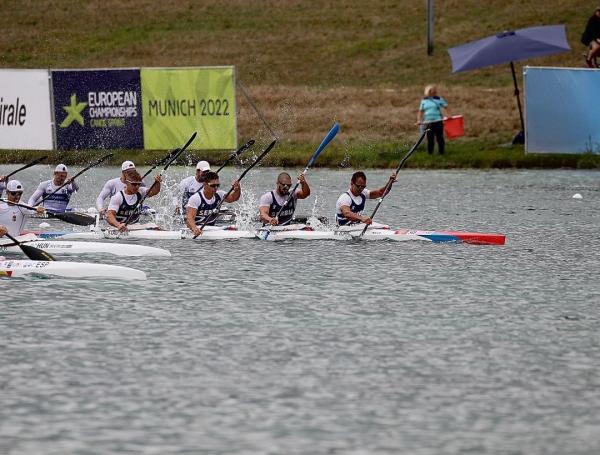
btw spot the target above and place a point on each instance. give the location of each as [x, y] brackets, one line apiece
[508, 47]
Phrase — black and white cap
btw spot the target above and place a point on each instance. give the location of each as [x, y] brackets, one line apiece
[14, 185]
[61, 168]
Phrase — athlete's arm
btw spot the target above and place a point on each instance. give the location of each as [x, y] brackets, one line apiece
[235, 194]
[350, 215]
[190, 220]
[156, 187]
[37, 195]
[374, 194]
[104, 193]
[304, 188]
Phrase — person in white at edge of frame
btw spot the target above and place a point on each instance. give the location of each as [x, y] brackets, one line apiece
[192, 184]
[113, 186]
[13, 217]
[2, 184]
[350, 204]
[59, 201]
[202, 205]
[126, 203]
[270, 203]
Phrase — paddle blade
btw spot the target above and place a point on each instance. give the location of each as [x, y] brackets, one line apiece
[35, 254]
[79, 219]
[332, 133]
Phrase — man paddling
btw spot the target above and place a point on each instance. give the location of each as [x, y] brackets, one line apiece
[56, 201]
[270, 203]
[12, 217]
[126, 203]
[202, 205]
[350, 204]
[114, 186]
[192, 184]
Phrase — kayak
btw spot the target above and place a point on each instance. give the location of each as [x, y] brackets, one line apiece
[378, 232]
[68, 247]
[21, 268]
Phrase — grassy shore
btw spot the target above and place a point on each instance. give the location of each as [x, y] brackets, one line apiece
[459, 155]
[309, 63]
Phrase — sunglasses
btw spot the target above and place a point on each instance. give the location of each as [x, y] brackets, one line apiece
[214, 185]
[15, 193]
[360, 187]
[134, 183]
[285, 185]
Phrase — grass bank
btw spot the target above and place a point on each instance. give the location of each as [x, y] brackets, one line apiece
[308, 63]
[459, 155]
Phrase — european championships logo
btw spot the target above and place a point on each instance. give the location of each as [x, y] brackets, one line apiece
[74, 112]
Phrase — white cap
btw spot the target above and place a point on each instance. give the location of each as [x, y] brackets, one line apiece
[127, 165]
[60, 168]
[14, 185]
[203, 166]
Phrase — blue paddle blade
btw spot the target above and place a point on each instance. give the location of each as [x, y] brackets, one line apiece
[332, 132]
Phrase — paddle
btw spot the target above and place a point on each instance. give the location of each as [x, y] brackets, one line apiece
[332, 132]
[388, 186]
[237, 153]
[33, 163]
[172, 158]
[80, 219]
[161, 162]
[256, 161]
[95, 163]
[31, 252]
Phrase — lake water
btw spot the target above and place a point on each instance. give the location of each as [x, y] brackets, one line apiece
[324, 347]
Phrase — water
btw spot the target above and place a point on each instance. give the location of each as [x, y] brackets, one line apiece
[249, 347]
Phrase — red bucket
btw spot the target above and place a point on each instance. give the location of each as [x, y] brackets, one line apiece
[454, 126]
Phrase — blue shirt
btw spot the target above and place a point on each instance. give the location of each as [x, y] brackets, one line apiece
[431, 107]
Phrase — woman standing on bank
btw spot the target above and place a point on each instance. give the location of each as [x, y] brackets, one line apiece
[432, 116]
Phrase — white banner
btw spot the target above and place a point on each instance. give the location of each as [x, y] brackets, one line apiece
[25, 115]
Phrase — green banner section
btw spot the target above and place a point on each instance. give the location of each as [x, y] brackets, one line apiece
[179, 101]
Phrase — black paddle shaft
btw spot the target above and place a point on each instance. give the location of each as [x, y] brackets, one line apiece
[237, 153]
[389, 184]
[33, 163]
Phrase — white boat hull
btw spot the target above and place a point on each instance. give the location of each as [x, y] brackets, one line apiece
[22, 268]
[61, 247]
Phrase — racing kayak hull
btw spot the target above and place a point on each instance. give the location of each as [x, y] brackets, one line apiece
[22, 268]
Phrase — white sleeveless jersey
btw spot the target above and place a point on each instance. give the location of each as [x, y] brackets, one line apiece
[13, 218]
[188, 187]
[110, 188]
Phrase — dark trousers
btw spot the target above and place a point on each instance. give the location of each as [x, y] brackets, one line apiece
[436, 132]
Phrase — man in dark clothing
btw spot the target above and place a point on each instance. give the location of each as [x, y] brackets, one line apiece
[591, 38]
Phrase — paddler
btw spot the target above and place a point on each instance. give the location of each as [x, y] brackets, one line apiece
[192, 184]
[114, 186]
[12, 217]
[350, 205]
[126, 202]
[270, 203]
[203, 204]
[58, 201]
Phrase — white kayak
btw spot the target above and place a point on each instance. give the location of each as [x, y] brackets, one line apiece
[61, 247]
[21, 268]
[300, 232]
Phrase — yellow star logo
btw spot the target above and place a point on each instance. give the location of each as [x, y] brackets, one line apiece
[74, 111]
